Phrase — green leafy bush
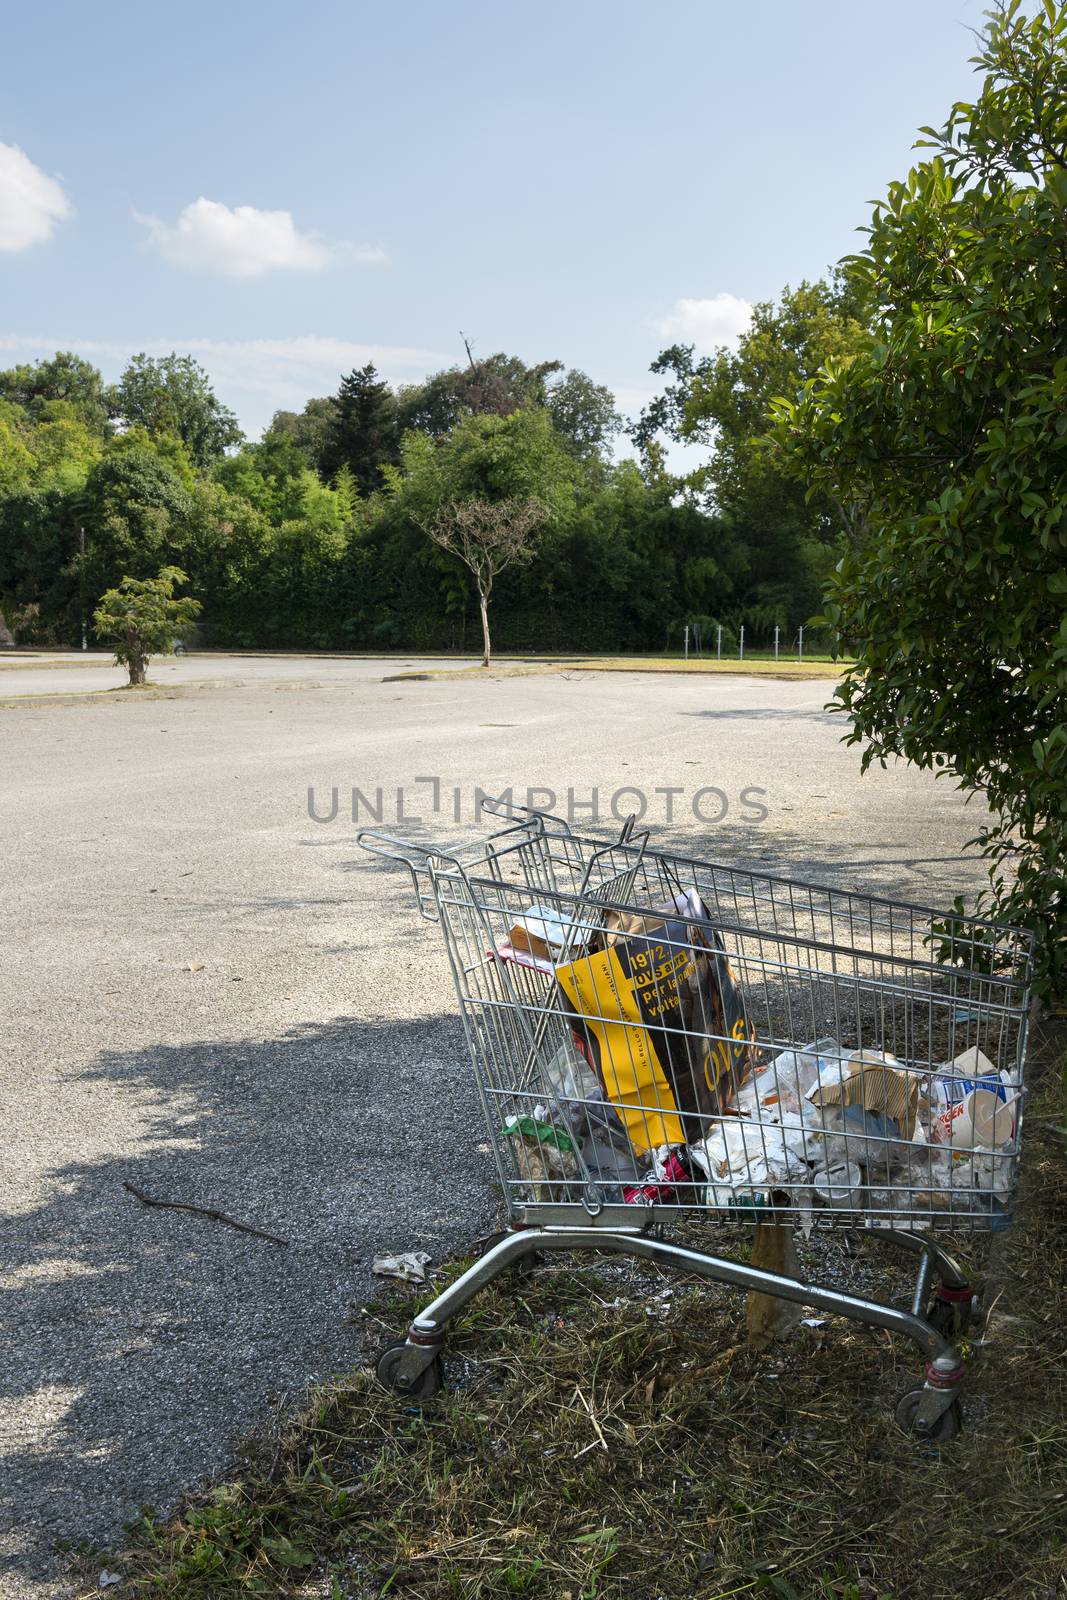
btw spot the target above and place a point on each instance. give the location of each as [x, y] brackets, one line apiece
[143, 618]
[945, 442]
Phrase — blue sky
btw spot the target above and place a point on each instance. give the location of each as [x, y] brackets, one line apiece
[289, 191]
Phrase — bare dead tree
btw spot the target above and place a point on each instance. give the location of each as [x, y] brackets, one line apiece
[487, 536]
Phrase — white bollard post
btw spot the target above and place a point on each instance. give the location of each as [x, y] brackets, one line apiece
[687, 641]
[800, 643]
[776, 641]
[741, 643]
[718, 642]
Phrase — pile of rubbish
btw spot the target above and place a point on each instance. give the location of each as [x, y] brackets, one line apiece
[815, 1125]
[861, 1132]
[661, 1096]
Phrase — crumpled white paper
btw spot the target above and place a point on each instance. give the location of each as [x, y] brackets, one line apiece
[742, 1155]
[409, 1266]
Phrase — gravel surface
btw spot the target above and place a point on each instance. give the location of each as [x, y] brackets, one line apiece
[211, 996]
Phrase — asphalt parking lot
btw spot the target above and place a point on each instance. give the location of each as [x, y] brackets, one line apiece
[212, 996]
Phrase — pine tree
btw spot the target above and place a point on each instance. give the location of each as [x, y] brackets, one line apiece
[364, 432]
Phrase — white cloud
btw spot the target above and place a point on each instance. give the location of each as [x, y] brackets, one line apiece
[245, 242]
[31, 203]
[255, 376]
[707, 324]
[289, 370]
[630, 398]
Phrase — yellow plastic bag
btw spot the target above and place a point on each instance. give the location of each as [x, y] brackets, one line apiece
[662, 1021]
[606, 999]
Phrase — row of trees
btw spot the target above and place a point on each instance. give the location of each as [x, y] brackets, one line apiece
[316, 536]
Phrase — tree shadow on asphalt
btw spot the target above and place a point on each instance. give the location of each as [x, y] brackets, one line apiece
[141, 1340]
[886, 868]
[829, 719]
[855, 865]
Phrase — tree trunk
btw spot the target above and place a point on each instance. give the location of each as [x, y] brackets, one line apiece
[138, 665]
[7, 641]
[483, 605]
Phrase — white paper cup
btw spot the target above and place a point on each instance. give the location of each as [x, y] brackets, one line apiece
[981, 1120]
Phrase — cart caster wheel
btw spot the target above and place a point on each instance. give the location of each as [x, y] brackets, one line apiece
[949, 1318]
[428, 1383]
[945, 1428]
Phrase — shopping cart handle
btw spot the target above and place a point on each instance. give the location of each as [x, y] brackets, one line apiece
[406, 853]
[384, 844]
[511, 808]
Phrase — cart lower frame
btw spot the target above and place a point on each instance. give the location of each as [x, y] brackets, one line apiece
[412, 1366]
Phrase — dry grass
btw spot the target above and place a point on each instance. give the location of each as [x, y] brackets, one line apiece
[33, 664]
[122, 692]
[608, 1437]
[749, 668]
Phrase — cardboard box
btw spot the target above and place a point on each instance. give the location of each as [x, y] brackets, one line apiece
[878, 1084]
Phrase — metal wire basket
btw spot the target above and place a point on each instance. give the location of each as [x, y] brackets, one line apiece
[655, 1036]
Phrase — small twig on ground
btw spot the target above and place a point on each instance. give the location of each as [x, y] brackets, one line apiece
[204, 1211]
[593, 1420]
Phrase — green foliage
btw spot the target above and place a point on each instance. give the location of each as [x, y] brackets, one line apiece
[43, 470]
[785, 542]
[174, 395]
[39, 545]
[309, 429]
[297, 592]
[583, 413]
[272, 476]
[66, 381]
[363, 432]
[495, 386]
[64, 450]
[945, 441]
[16, 461]
[226, 543]
[486, 457]
[135, 510]
[143, 618]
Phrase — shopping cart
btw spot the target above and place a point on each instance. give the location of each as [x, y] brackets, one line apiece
[655, 1038]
